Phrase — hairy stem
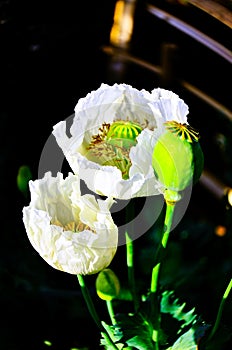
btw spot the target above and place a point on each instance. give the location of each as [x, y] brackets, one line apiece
[160, 253]
[130, 268]
[220, 309]
[92, 310]
[110, 309]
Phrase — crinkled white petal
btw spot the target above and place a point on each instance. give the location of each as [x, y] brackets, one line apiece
[85, 252]
[109, 103]
[169, 105]
[107, 180]
[141, 157]
[120, 102]
[51, 194]
[106, 104]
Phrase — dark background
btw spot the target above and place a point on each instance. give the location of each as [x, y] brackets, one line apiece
[51, 54]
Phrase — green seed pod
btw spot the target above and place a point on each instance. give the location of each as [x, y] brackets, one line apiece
[107, 285]
[177, 157]
[123, 133]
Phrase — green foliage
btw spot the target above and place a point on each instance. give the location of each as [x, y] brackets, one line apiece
[185, 342]
[190, 330]
[135, 330]
[131, 330]
[171, 305]
[106, 342]
[180, 328]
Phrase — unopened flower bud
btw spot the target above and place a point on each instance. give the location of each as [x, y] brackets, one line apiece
[107, 285]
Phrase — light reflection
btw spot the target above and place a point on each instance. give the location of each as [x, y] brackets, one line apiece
[230, 197]
[123, 23]
[192, 32]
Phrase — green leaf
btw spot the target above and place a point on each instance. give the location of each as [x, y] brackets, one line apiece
[134, 330]
[173, 307]
[191, 327]
[185, 342]
[105, 342]
[131, 330]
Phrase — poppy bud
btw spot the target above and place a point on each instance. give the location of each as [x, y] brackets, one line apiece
[107, 285]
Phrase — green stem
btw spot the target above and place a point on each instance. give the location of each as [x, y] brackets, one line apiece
[130, 268]
[110, 309]
[162, 246]
[92, 310]
[160, 253]
[220, 309]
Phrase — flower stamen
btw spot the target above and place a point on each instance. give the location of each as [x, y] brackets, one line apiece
[111, 146]
[72, 226]
[102, 135]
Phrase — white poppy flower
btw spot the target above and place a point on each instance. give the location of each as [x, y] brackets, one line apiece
[113, 136]
[72, 233]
